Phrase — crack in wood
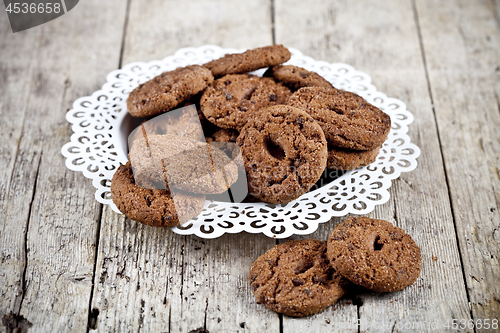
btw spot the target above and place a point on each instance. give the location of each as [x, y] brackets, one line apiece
[23, 280]
[125, 25]
[92, 320]
[205, 319]
[26, 102]
[14, 323]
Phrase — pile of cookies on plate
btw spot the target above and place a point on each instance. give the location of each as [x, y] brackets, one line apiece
[289, 125]
[303, 277]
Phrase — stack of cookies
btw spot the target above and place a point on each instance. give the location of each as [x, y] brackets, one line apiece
[300, 278]
[290, 124]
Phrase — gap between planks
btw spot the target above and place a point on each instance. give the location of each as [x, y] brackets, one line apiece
[424, 60]
[91, 322]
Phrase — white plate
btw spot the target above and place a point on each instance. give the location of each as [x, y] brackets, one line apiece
[101, 125]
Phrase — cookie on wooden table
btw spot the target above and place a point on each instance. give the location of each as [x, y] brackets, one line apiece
[232, 99]
[374, 254]
[349, 159]
[284, 151]
[158, 208]
[296, 77]
[295, 278]
[249, 60]
[347, 119]
[168, 90]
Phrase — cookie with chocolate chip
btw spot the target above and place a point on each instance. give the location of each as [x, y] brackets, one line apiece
[249, 60]
[167, 90]
[347, 119]
[158, 208]
[284, 151]
[296, 77]
[231, 100]
[294, 278]
[374, 254]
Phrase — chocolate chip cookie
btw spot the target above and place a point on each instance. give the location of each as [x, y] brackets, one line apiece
[374, 254]
[158, 208]
[187, 165]
[296, 77]
[294, 278]
[348, 159]
[168, 90]
[233, 99]
[347, 119]
[284, 151]
[249, 60]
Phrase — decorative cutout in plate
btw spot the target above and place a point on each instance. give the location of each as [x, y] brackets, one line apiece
[101, 125]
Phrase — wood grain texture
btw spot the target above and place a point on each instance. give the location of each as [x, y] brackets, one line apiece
[150, 279]
[382, 40]
[54, 204]
[442, 58]
[158, 29]
[16, 65]
[462, 49]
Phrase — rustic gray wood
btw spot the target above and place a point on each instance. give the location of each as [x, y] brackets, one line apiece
[440, 57]
[16, 66]
[392, 57]
[461, 42]
[55, 205]
[160, 280]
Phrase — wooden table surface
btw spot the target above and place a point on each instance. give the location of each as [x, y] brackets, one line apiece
[68, 263]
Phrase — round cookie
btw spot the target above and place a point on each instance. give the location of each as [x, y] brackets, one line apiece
[296, 77]
[346, 118]
[231, 100]
[294, 278]
[348, 159]
[167, 90]
[284, 151]
[374, 254]
[152, 207]
[249, 60]
[188, 165]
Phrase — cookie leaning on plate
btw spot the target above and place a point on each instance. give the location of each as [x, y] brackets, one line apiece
[284, 151]
[374, 254]
[294, 278]
[167, 90]
[347, 119]
[152, 207]
[249, 60]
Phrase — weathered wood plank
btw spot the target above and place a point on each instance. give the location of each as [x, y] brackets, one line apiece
[16, 65]
[382, 39]
[186, 283]
[162, 27]
[63, 219]
[461, 40]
